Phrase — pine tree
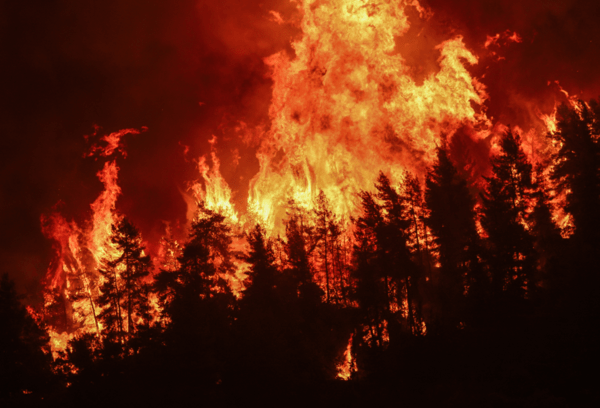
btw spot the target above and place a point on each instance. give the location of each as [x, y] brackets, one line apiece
[198, 304]
[211, 230]
[267, 320]
[326, 233]
[203, 262]
[548, 243]
[262, 276]
[331, 247]
[577, 168]
[372, 287]
[299, 246]
[385, 274]
[419, 236]
[124, 294]
[576, 174]
[24, 350]
[504, 212]
[400, 240]
[452, 222]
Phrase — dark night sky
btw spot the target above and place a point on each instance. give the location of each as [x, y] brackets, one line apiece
[68, 65]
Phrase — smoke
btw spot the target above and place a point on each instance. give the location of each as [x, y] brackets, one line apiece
[188, 70]
[560, 41]
[185, 69]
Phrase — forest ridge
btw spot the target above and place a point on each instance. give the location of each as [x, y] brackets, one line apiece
[447, 297]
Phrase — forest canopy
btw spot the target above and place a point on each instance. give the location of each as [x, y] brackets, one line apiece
[439, 291]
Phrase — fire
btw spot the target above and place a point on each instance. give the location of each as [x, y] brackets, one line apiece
[347, 367]
[80, 250]
[507, 36]
[113, 142]
[345, 107]
[550, 120]
[215, 191]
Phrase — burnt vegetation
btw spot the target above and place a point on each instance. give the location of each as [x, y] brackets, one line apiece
[434, 295]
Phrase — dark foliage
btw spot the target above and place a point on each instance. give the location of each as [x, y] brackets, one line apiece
[24, 351]
[441, 297]
[124, 293]
[509, 253]
[577, 168]
[461, 277]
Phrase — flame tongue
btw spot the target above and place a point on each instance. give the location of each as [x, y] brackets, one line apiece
[80, 251]
[345, 106]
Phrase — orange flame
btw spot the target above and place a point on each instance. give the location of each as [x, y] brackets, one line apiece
[72, 275]
[215, 192]
[346, 368]
[113, 142]
[346, 107]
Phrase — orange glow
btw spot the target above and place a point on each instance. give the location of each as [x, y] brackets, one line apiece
[214, 192]
[345, 107]
[79, 251]
[346, 368]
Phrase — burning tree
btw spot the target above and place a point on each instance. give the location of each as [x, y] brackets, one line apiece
[124, 296]
[504, 218]
[326, 267]
[577, 169]
[451, 220]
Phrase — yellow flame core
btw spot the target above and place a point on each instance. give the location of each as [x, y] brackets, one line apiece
[104, 216]
[346, 368]
[215, 192]
[76, 277]
[345, 107]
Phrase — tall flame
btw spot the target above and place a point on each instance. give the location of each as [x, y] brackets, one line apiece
[345, 107]
[214, 191]
[79, 251]
[104, 216]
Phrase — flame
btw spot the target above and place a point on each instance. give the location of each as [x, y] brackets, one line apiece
[550, 120]
[561, 218]
[79, 251]
[346, 368]
[215, 193]
[64, 234]
[170, 250]
[104, 216]
[345, 107]
[112, 141]
[507, 36]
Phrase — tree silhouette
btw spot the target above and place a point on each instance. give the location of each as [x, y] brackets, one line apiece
[199, 307]
[400, 238]
[504, 212]
[124, 294]
[548, 242]
[373, 288]
[576, 174]
[452, 223]
[265, 321]
[326, 233]
[331, 250]
[24, 350]
[299, 246]
[577, 167]
[386, 272]
[262, 276]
